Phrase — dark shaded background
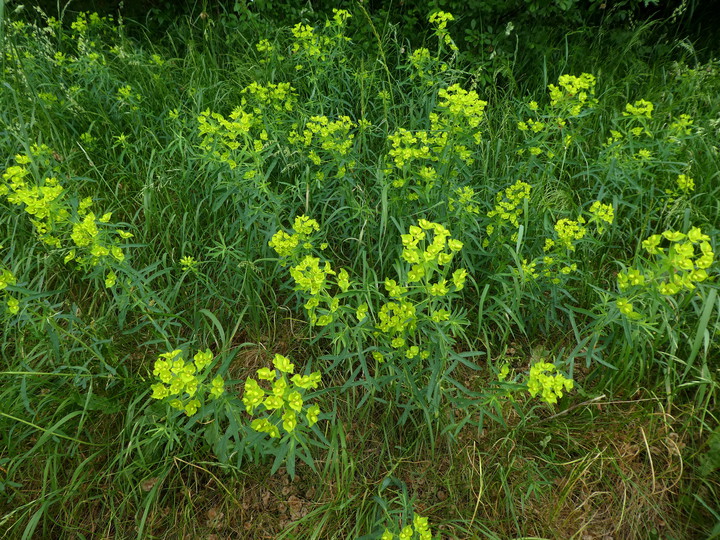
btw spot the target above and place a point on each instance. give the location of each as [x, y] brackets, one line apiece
[699, 21]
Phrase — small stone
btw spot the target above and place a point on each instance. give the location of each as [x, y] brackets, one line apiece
[147, 485]
[296, 507]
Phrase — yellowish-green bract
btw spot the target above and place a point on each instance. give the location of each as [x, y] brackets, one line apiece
[544, 380]
[420, 530]
[669, 271]
[75, 230]
[182, 383]
[573, 94]
[284, 402]
[12, 304]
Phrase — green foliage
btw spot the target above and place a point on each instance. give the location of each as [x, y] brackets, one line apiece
[462, 261]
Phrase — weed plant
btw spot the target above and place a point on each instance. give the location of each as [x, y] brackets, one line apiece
[265, 281]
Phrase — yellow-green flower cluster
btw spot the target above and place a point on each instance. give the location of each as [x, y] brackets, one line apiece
[408, 146]
[420, 293]
[642, 139]
[573, 94]
[44, 203]
[313, 278]
[306, 40]
[129, 98]
[305, 226]
[461, 111]
[536, 126]
[464, 200]
[550, 131]
[340, 17]
[627, 308]
[94, 247]
[264, 45]
[56, 220]
[555, 263]
[268, 51]
[681, 255]
[280, 97]
[182, 383]
[189, 264]
[426, 67]
[87, 21]
[86, 40]
[284, 401]
[620, 144]
[509, 204]
[570, 231]
[315, 46]
[240, 136]
[631, 277]
[679, 266]
[529, 269]
[544, 380]
[420, 530]
[640, 108]
[532, 125]
[79, 25]
[684, 185]
[82, 44]
[435, 255]
[601, 215]
[243, 136]
[311, 275]
[326, 141]
[420, 288]
[420, 155]
[50, 99]
[397, 318]
[87, 139]
[291, 245]
[682, 125]
[60, 59]
[7, 278]
[439, 20]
